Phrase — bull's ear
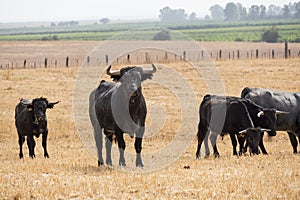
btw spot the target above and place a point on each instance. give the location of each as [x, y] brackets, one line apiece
[51, 105]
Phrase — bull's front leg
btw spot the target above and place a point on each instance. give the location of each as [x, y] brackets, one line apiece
[121, 145]
[138, 147]
[44, 143]
[31, 145]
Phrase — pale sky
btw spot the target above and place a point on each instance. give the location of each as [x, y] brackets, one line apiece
[56, 10]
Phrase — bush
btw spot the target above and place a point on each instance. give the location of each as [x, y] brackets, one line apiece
[162, 35]
[238, 40]
[270, 35]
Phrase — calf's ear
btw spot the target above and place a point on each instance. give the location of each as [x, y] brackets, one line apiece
[51, 105]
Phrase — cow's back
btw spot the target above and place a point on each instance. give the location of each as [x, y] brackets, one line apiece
[23, 119]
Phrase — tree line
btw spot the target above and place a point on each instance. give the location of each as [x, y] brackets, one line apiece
[235, 12]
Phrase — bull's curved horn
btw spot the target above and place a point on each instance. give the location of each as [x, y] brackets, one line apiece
[26, 101]
[278, 112]
[243, 131]
[112, 72]
[265, 129]
[261, 113]
[150, 71]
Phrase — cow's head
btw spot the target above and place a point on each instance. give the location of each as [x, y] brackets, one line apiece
[253, 137]
[131, 79]
[39, 107]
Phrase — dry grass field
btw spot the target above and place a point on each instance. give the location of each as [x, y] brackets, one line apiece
[71, 172]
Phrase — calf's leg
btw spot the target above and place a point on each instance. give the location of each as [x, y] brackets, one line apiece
[21, 142]
[44, 144]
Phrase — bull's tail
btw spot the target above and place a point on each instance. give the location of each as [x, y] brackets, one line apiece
[245, 91]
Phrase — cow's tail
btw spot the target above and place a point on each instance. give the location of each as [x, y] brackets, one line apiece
[245, 92]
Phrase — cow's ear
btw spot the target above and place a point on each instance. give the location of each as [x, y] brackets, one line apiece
[51, 105]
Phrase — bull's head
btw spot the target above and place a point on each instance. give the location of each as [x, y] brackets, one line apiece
[270, 118]
[131, 79]
[39, 107]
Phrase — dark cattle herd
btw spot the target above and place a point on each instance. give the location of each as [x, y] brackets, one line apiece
[117, 107]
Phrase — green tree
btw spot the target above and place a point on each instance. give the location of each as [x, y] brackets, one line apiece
[217, 12]
[231, 12]
[169, 15]
[104, 20]
[270, 35]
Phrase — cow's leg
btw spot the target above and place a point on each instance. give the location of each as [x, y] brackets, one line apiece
[234, 143]
[207, 151]
[294, 141]
[261, 144]
[98, 140]
[31, 145]
[138, 147]
[202, 132]
[121, 145]
[44, 143]
[108, 144]
[213, 140]
[21, 142]
[241, 140]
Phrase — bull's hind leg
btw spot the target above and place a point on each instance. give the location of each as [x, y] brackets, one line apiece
[44, 144]
[21, 142]
[108, 144]
[202, 132]
[213, 140]
[121, 145]
[294, 141]
[31, 145]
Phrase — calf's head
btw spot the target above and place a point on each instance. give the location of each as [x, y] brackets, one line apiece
[39, 107]
[253, 137]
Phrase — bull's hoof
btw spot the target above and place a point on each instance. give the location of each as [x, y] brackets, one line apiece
[46, 155]
[108, 163]
[20, 156]
[100, 163]
[217, 155]
[122, 163]
[32, 156]
[140, 165]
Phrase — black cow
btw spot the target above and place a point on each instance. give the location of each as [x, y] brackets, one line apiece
[120, 108]
[221, 115]
[287, 102]
[31, 120]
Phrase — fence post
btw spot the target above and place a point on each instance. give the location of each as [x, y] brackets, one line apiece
[88, 60]
[285, 50]
[184, 55]
[67, 61]
[128, 58]
[257, 55]
[106, 59]
[220, 54]
[273, 54]
[238, 54]
[46, 62]
[24, 64]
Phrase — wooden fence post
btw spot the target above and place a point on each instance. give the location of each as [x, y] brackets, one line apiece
[88, 60]
[238, 54]
[273, 54]
[67, 61]
[184, 55]
[24, 64]
[46, 62]
[285, 50]
[220, 54]
[257, 55]
[106, 59]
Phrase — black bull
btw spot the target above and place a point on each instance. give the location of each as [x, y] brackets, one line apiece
[120, 108]
[31, 120]
[284, 101]
[232, 115]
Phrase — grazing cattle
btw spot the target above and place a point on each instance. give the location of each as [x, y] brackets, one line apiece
[120, 108]
[31, 120]
[287, 102]
[221, 115]
[237, 114]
